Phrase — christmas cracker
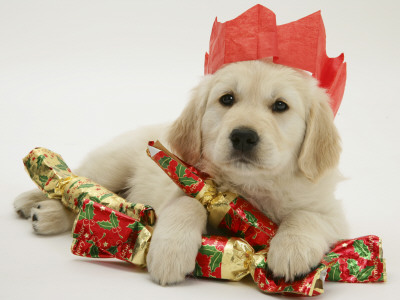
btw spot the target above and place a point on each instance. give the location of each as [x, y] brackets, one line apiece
[101, 232]
[54, 178]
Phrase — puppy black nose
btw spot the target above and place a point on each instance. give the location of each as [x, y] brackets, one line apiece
[244, 139]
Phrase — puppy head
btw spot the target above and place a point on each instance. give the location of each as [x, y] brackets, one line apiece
[256, 117]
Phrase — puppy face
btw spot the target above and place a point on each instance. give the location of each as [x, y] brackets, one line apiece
[253, 117]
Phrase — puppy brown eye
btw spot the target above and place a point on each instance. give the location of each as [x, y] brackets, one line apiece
[227, 100]
[279, 106]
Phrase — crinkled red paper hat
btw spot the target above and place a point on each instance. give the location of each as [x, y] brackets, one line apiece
[300, 44]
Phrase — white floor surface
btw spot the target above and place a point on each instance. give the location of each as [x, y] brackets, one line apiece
[74, 74]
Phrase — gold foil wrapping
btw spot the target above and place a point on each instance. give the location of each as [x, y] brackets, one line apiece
[216, 203]
[141, 247]
[52, 175]
[237, 259]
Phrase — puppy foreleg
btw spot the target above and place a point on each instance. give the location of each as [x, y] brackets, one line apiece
[300, 243]
[176, 240]
[51, 217]
[47, 216]
[25, 201]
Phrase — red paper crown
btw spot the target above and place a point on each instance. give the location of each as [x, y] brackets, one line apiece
[300, 44]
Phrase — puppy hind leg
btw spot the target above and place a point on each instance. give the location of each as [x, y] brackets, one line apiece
[176, 240]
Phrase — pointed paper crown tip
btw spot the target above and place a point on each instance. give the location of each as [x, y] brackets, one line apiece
[300, 44]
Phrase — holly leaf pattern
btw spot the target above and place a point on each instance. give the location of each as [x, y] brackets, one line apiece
[89, 210]
[262, 264]
[94, 251]
[95, 199]
[114, 220]
[28, 163]
[288, 289]
[164, 162]
[187, 181]
[105, 224]
[353, 267]
[228, 220]
[113, 223]
[43, 178]
[251, 218]
[331, 256]
[136, 226]
[40, 160]
[365, 273]
[62, 166]
[86, 185]
[207, 250]
[334, 273]
[81, 197]
[382, 278]
[113, 249]
[82, 215]
[215, 261]
[362, 249]
[197, 270]
[76, 181]
[105, 196]
[180, 170]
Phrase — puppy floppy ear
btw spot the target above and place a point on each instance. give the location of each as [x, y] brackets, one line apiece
[321, 146]
[184, 135]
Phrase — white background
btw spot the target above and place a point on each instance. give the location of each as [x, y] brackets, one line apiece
[74, 74]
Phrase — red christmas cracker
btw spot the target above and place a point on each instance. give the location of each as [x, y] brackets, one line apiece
[358, 260]
[101, 232]
[300, 44]
[227, 211]
[233, 258]
[53, 177]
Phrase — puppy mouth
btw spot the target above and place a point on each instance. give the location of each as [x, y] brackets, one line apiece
[243, 161]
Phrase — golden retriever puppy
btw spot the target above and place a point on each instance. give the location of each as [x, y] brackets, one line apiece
[262, 130]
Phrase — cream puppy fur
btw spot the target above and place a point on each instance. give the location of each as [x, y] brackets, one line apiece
[260, 129]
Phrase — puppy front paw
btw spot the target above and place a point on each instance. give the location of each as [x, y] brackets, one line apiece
[172, 257]
[51, 217]
[292, 256]
[25, 201]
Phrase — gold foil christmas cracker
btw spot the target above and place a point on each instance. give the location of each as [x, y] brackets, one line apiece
[53, 177]
[227, 211]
